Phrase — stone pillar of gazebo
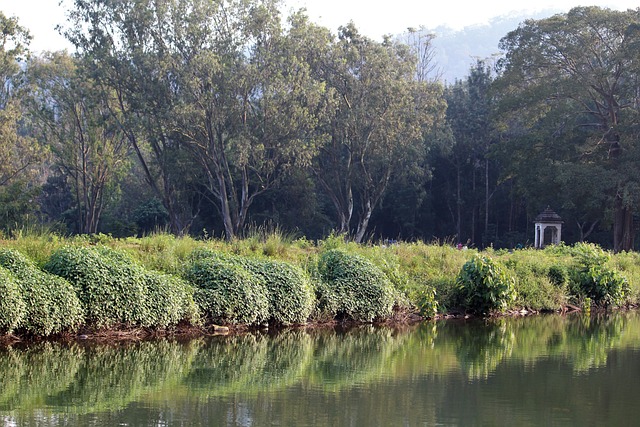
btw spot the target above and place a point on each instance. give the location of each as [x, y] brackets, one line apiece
[548, 219]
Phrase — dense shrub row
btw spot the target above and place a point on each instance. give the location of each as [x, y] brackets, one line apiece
[239, 289]
[104, 282]
[115, 290]
[50, 304]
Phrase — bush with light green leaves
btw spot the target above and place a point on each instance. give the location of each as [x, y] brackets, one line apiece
[593, 278]
[116, 290]
[52, 305]
[226, 292]
[12, 306]
[352, 286]
[289, 289]
[111, 295]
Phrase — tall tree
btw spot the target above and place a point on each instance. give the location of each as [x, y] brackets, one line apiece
[76, 122]
[220, 80]
[470, 108]
[130, 47]
[380, 116]
[18, 153]
[579, 68]
[249, 104]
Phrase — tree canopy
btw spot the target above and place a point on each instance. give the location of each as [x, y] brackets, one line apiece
[217, 117]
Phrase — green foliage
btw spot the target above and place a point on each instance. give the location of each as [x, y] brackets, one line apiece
[485, 286]
[540, 279]
[12, 306]
[227, 292]
[291, 297]
[169, 300]
[150, 216]
[115, 289]
[52, 305]
[593, 278]
[110, 295]
[354, 287]
[288, 287]
[558, 275]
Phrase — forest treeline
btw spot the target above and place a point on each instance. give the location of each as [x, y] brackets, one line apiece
[210, 117]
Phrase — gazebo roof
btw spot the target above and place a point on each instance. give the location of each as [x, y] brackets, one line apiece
[549, 216]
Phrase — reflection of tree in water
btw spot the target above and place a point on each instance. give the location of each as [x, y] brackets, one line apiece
[27, 375]
[481, 346]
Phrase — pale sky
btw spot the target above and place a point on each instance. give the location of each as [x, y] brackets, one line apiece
[374, 18]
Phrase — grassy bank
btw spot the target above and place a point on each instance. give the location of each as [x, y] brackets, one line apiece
[56, 285]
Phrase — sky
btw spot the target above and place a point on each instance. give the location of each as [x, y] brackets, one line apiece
[373, 18]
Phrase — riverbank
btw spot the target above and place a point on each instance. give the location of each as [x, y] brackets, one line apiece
[160, 284]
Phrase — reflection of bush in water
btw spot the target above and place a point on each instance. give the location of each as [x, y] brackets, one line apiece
[249, 363]
[354, 357]
[583, 341]
[112, 376]
[482, 346]
[28, 375]
[591, 338]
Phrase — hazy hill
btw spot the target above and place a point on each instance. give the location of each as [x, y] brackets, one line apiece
[456, 51]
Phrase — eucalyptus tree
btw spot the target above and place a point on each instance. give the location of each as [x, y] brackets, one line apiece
[379, 116]
[18, 153]
[570, 85]
[470, 108]
[220, 80]
[249, 103]
[129, 48]
[76, 122]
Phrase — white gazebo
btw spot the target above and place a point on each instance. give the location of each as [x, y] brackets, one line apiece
[548, 228]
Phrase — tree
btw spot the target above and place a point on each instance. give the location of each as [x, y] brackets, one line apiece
[128, 47]
[380, 114]
[18, 153]
[470, 106]
[248, 105]
[74, 120]
[219, 81]
[575, 73]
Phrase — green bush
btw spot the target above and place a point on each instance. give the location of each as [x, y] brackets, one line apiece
[115, 289]
[169, 300]
[353, 286]
[12, 306]
[289, 289]
[52, 305]
[485, 286]
[227, 292]
[111, 290]
[558, 275]
[593, 278]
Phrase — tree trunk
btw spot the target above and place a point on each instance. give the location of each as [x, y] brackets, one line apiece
[623, 230]
[458, 206]
[486, 196]
[364, 222]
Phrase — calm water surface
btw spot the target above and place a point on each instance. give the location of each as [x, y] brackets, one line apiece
[546, 370]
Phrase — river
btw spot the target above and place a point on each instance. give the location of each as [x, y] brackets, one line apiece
[542, 370]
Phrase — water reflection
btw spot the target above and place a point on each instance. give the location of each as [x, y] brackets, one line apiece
[529, 370]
